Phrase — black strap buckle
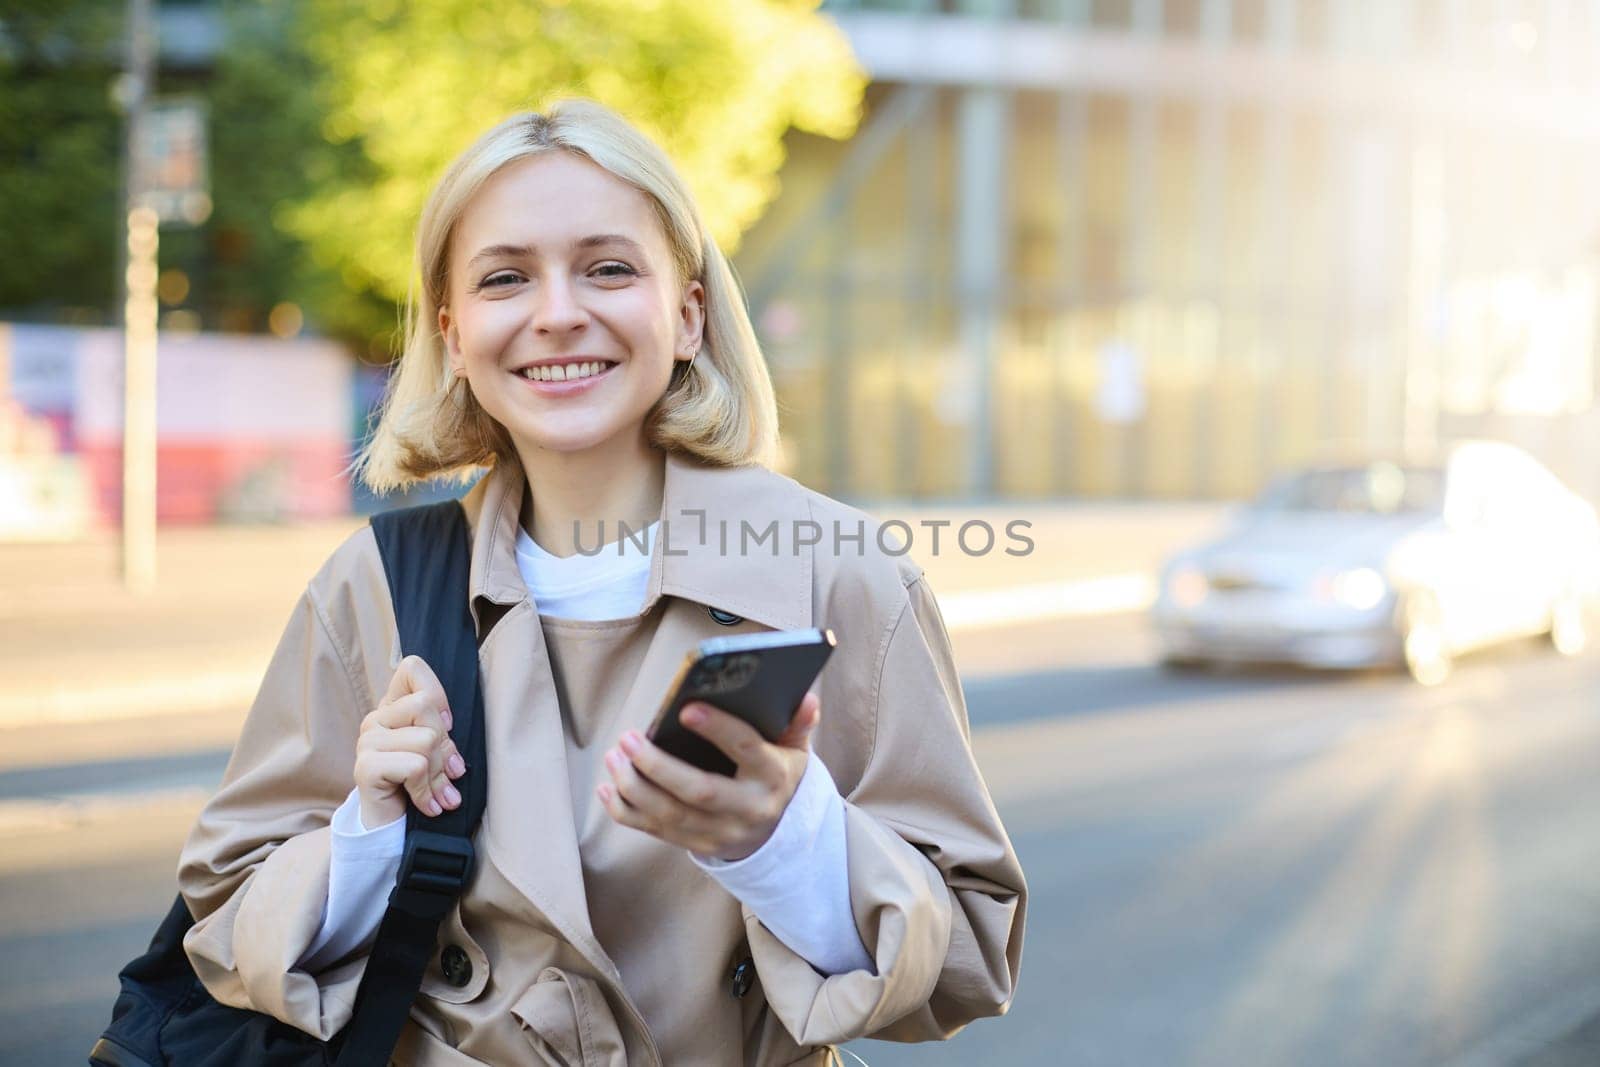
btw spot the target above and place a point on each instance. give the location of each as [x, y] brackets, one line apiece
[435, 863]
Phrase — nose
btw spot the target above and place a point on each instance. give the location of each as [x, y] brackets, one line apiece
[557, 309]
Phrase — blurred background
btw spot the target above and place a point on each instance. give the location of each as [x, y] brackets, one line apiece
[1277, 320]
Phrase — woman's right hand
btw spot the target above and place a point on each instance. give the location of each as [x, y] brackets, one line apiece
[405, 749]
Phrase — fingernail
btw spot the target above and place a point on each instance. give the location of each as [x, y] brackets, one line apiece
[449, 720]
[433, 807]
[630, 743]
[451, 796]
[457, 766]
[614, 760]
[605, 793]
[693, 714]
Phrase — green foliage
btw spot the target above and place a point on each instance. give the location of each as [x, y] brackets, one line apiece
[717, 82]
[268, 153]
[330, 119]
[60, 156]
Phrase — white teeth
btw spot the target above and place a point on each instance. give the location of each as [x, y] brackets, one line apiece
[564, 373]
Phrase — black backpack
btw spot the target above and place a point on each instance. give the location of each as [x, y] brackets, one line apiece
[165, 1016]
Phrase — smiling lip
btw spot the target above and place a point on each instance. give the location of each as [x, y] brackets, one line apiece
[566, 388]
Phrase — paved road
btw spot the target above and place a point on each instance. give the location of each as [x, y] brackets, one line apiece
[1275, 868]
[1244, 868]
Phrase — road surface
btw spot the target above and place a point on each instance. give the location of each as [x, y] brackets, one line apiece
[1262, 867]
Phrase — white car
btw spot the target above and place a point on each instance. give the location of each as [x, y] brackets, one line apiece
[1386, 562]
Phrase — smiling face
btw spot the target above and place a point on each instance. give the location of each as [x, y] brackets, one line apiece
[564, 306]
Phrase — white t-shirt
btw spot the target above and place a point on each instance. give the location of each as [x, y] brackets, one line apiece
[607, 584]
[797, 883]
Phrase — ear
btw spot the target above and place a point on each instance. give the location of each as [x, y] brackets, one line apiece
[452, 341]
[691, 320]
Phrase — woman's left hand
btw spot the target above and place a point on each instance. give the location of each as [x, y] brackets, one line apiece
[709, 814]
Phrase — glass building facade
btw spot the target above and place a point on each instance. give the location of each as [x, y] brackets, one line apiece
[1165, 248]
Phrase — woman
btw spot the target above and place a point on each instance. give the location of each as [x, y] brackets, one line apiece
[579, 335]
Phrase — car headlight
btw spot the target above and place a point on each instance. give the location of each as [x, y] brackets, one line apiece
[1187, 586]
[1362, 588]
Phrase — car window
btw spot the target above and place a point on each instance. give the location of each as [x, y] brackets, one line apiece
[1373, 489]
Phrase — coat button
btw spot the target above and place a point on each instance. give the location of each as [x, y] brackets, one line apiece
[743, 977]
[726, 618]
[456, 966]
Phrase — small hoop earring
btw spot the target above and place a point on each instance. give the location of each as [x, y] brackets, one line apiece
[454, 391]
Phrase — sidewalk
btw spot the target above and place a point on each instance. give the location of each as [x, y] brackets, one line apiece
[77, 648]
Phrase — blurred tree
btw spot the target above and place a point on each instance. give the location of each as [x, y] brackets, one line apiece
[329, 120]
[717, 82]
[60, 157]
[268, 152]
[61, 135]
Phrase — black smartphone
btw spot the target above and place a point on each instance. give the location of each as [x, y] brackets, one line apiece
[761, 678]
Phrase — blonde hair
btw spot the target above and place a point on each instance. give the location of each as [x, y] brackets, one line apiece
[721, 409]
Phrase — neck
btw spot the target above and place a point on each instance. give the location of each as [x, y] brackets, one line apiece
[582, 497]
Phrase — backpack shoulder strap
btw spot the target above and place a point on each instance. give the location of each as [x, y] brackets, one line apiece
[427, 560]
[426, 554]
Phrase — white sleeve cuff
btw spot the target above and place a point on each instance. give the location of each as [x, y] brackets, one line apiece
[798, 882]
[363, 866]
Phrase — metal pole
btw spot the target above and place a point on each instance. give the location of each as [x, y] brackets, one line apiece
[1277, 222]
[840, 413]
[1207, 283]
[1072, 134]
[139, 323]
[1138, 283]
[922, 167]
[982, 223]
[1421, 384]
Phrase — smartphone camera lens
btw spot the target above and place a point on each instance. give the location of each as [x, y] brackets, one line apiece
[713, 663]
[741, 670]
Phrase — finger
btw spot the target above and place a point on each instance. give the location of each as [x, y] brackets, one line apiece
[442, 753]
[687, 784]
[658, 808]
[423, 784]
[444, 792]
[406, 770]
[737, 739]
[419, 739]
[454, 763]
[619, 810]
[705, 841]
[414, 677]
[430, 790]
[413, 709]
[806, 717]
[399, 681]
[411, 675]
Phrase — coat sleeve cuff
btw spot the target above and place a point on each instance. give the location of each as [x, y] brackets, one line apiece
[798, 882]
[902, 911]
[246, 952]
[363, 867]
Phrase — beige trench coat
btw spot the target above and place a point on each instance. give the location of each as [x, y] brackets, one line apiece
[591, 943]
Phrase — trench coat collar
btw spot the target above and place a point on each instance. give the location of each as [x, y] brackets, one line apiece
[712, 547]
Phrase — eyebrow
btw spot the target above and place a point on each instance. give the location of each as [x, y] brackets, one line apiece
[592, 241]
